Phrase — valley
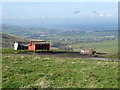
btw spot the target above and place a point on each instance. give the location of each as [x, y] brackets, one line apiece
[24, 69]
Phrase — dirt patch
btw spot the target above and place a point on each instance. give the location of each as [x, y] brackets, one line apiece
[68, 55]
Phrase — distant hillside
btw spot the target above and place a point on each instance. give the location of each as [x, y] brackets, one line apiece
[15, 30]
[8, 40]
[28, 32]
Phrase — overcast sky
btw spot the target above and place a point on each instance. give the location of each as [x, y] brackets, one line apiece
[60, 0]
[59, 12]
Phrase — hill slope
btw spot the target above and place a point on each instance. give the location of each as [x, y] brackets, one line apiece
[31, 71]
[27, 32]
[8, 40]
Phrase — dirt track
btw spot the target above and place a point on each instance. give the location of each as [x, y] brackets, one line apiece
[67, 55]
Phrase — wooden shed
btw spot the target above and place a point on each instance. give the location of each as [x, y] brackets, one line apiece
[20, 46]
[38, 45]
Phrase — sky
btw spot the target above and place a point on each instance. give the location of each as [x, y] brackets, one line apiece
[59, 13]
[60, 0]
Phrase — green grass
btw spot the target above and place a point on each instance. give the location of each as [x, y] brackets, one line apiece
[11, 51]
[30, 71]
[7, 51]
[109, 47]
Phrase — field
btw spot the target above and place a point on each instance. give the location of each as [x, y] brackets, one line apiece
[109, 47]
[24, 69]
[31, 71]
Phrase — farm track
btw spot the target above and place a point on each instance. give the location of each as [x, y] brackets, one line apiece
[68, 55]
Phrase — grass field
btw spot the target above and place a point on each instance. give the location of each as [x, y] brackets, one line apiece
[30, 71]
[109, 47]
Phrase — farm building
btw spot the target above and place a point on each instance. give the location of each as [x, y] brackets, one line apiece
[18, 46]
[32, 46]
[38, 45]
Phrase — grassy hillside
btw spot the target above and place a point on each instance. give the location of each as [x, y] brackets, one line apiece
[8, 40]
[110, 46]
[27, 32]
[15, 30]
[100, 39]
[28, 71]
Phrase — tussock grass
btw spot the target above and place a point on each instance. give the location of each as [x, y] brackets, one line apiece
[31, 71]
[11, 51]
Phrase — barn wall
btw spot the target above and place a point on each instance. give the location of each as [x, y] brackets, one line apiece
[31, 47]
[38, 47]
